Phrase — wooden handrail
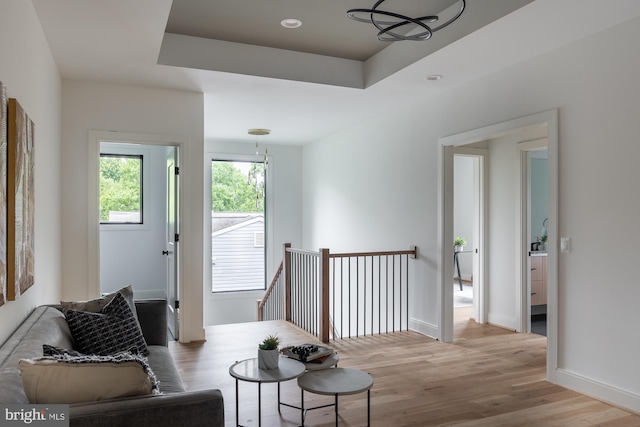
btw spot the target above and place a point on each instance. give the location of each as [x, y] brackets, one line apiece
[413, 251]
[263, 301]
[289, 249]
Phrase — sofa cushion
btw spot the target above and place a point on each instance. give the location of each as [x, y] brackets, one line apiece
[112, 330]
[66, 379]
[96, 305]
[163, 365]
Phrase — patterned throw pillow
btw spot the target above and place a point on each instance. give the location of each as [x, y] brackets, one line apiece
[111, 331]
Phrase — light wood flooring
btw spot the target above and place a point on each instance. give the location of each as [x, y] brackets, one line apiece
[489, 377]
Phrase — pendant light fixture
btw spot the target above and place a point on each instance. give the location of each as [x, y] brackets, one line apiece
[256, 177]
[260, 132]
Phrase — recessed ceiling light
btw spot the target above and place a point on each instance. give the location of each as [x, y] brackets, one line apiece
[434, 77]
[291, 23]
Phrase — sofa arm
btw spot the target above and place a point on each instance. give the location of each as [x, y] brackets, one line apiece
[195, 408]
[152, 315]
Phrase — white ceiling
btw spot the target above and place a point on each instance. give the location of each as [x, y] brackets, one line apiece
[120, 41]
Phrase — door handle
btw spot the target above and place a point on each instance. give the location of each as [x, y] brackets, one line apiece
[167, 252]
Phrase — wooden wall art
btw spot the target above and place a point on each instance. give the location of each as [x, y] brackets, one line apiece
[3, 193]
[20, 202]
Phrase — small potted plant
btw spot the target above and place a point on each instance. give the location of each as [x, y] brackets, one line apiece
[268, 352]
[458, 243]
[542, 240]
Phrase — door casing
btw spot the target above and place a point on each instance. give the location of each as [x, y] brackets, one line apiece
[445, 222]
[93, 200]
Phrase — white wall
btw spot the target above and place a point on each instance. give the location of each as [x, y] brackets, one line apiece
[132, 253]
[28, 71]
[283, 221]
[596, 91]
[110, 107]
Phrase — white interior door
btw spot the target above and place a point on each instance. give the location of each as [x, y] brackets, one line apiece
[172, 242]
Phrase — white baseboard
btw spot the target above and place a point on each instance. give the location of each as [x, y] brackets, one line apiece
[503, 321]
[597, 389]
[424, 328]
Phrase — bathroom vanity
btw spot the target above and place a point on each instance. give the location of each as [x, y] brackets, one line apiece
[538, 278]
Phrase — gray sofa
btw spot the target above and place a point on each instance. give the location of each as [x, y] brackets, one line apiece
[174, 407]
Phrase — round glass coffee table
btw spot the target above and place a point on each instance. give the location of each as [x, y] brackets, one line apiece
[247, 370]
[336, 382]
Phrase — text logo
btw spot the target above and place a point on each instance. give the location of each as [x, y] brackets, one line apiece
[34, 415]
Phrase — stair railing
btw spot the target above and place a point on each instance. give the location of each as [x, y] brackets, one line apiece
[341, 295]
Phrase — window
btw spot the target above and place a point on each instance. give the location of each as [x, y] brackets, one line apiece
[120, 189]
[237, 226]
[258, 239]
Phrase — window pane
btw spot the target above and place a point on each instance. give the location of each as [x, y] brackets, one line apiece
[120, 189]
[237, 225]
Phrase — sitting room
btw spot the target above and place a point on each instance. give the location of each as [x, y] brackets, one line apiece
[359, 133]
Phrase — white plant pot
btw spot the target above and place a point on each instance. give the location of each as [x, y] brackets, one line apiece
[268, 359]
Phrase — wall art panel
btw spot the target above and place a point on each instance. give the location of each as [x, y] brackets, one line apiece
[20, 201]
[3, 193]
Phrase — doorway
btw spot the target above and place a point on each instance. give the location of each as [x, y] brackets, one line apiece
[469, 233]
[239, 199]
[135, 243]
[534, 167]
[238, 250]
[507, 304]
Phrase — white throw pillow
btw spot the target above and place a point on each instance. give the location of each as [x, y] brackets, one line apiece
[47, 380]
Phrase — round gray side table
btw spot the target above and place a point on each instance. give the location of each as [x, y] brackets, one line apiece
[336, 382]
[247, 370]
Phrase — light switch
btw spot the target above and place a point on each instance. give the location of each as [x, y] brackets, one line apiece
[565, 245]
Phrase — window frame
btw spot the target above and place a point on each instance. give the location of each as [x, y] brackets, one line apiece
[141, 158]
[239, 159]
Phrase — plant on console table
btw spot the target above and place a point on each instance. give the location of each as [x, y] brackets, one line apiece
[458, 244]
[268, 355]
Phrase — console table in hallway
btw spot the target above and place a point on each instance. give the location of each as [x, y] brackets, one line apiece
[456, 264]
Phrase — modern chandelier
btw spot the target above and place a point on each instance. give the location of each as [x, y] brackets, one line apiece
[256, 175]
[396, 27]
[256, 133]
